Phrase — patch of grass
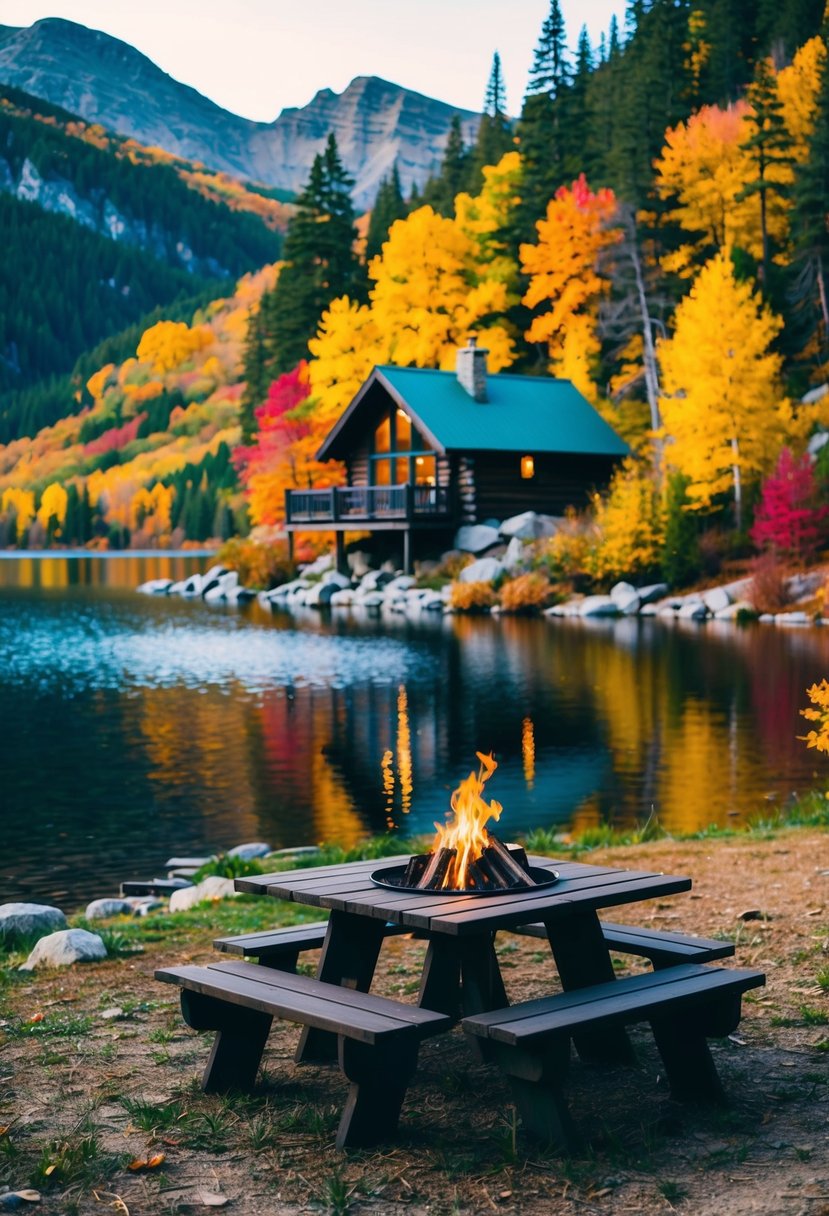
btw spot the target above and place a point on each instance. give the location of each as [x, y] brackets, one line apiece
[77, 1160]
[822, 979]
[813, 1017]
[65, 1026]
[672, 1191]
[336, 1195]
[152, 1117]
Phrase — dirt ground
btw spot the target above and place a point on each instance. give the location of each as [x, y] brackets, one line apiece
[107, 1074]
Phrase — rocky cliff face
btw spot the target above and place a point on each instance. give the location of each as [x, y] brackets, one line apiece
[107, 81]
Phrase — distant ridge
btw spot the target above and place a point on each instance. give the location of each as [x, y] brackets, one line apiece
[105, 80]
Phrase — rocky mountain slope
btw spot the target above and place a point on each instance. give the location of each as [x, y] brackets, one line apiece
[107, 81]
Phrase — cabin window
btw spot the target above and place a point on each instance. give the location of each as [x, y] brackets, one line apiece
[527, 467]
[400, 454]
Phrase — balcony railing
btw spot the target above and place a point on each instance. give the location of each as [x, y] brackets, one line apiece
[364, 504]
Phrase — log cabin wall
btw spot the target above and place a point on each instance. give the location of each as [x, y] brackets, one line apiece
[500, 491]
[463, 469]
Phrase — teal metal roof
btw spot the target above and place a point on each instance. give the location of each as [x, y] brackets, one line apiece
[522, 414]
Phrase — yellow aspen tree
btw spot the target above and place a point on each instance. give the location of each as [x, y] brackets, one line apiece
[723, 412]
[52, 510]
[169, 344]
[629, 524]
[486, 218]
[348, 345]
[565, 283]
[429, 292]
[798, 85]
[22, 503]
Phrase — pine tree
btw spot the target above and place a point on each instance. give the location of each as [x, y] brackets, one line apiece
[494, 133]
[809, 228]
[389, 205]
[540, 131]
[680, 550]
[440, 192]
[320, 263]
[769, 147]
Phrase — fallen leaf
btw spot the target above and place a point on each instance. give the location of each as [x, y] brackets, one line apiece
[50, 1169]
[151, 1163]
[36, 1017]
[733, 1038]
[211, 1199]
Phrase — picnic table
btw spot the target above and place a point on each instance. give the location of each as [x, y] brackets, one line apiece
[376, 1039]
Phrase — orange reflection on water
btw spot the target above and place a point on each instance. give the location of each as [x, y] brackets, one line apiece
[528, 751]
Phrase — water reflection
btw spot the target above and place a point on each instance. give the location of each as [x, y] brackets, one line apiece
[134, 728]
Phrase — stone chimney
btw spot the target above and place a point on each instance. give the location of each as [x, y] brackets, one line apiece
[470, 368]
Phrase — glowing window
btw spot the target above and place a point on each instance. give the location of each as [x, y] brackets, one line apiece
[527, 467]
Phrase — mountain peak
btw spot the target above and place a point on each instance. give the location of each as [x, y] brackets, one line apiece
[106, 80]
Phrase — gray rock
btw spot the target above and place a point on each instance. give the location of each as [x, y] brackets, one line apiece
[818, 440]
[731, 611]
[626, 598]
[156, 586]
[248, 852]
[342, 599]
[403, 582]
[333, 578]
[371, 599]
[793, 618]
[212, 887]
[320, 564]
[485, 570]
[648, 610]
[692, 610]
[100, 909]
[476, 538]
[431, 601]
[21, 920]
[514, 555]
[767, 618]
[526, 526]
[215, 572]
[651, 593]
[221, 588]
[598, 605]
[142, 905]
[64, 948]
[715, 599]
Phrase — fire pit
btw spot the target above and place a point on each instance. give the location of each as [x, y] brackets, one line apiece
[466, 858]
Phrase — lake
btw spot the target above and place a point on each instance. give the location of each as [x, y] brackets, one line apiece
[133, 728]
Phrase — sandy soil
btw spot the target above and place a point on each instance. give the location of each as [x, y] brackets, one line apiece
[85, 1091]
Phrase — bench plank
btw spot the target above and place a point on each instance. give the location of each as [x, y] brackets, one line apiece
[655, 944]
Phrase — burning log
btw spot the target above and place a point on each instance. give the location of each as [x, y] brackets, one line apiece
[499, 857]
[437, 868]
[414, 870]
[488, 875]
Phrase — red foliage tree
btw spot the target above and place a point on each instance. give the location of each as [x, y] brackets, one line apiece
[789, 518]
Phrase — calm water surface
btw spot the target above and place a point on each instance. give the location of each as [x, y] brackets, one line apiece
[132, 728]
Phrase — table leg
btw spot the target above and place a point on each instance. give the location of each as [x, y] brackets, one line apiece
[461, 976]
[349, 957]
[582, 959]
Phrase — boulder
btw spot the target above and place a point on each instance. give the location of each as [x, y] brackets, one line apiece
[484, 570]
[793, 618]
[320, 564]
[626, 598]
[342, 599]
[692, 610]
[64, 948]
[715, 599]
[476, 538]
[215, 572]
[651, 593]
[525, 526]
[333, 578]
[731, 611]
[247, 852]
[431, 601]
[598, 605]
[100, 909]
[514, 555]
[189, 588]
[403, 582]
[818, 441]
[222, 587]
[142, 905]
[648, 610]
[767, 618]
[212, 887]
[23, 920]
[371, 599]
[156, 586]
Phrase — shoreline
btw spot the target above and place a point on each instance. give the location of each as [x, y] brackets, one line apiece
[11, 554]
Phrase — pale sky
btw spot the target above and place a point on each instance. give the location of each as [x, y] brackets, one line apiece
[254, 57]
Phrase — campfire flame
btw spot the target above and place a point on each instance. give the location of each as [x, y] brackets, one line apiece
[467, 833]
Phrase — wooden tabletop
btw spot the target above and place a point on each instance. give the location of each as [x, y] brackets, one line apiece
[348, 888]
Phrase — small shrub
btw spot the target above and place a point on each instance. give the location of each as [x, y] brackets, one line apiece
[565, 554]
[226, 866]
[472, 597]
[258, 566]
[768, 592]
[712, 547]
[527, 593]
[451, 565]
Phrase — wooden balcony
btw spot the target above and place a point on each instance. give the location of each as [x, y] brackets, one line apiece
[383, 507]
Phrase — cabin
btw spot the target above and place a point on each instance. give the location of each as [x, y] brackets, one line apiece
[426, 451]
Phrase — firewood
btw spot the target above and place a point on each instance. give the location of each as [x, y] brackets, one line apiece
[414, 870]
[498, 878]
[435, 871]
[519, 854]
[480, 878]
[518, 876]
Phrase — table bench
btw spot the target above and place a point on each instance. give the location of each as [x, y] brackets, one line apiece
[281, 948]
[377, 1039]
[685, 1005]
